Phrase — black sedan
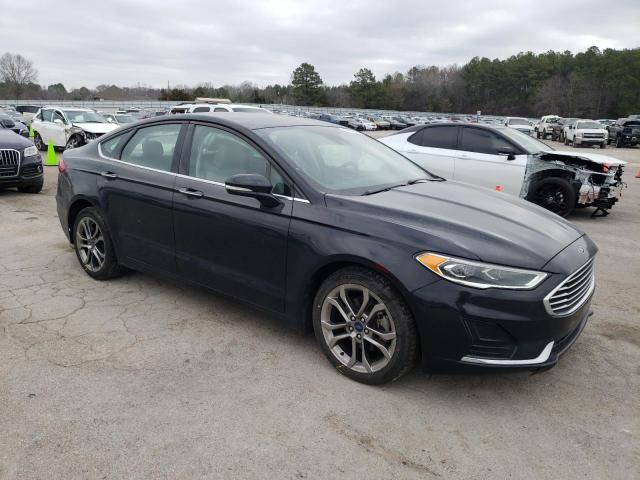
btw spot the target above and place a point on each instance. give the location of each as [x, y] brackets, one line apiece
[332, 231]
[20, 163]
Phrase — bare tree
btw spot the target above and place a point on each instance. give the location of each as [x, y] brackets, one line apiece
[17, 72]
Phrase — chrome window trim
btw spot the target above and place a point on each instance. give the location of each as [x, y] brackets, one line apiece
[189, 177]
[543, 357]
[592, 285]
[101, 155]
[220, 184]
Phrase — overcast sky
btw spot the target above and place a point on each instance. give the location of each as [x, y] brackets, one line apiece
[126, 42]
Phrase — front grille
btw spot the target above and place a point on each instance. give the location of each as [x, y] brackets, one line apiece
[9, 162]
[594, 135]
[571, 294]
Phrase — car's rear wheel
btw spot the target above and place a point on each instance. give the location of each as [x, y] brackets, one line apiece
[555, 194]
[364, 326]
[566, 141]
[93, 246]
[619, 142]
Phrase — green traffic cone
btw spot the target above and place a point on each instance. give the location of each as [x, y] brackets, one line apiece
[51, 161]
[31, 134]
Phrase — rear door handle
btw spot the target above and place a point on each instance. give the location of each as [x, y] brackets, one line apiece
[191, 192]
[110, 175]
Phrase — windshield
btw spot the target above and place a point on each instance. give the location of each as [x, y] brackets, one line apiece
[341, 161]
[587, 125]
[519, 121]
[567, 121]
[83, 116]
[529, 144]
[125, 119]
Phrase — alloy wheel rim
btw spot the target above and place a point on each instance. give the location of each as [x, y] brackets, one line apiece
[90, 244]
[358, 328]
[552, 198]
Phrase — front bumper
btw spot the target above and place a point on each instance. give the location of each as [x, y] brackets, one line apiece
[468, 329]
[30, 172]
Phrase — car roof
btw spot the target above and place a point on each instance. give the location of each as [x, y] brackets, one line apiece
[250, 121]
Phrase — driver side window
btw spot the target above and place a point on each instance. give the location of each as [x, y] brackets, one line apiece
[218, 155]
[58, 116]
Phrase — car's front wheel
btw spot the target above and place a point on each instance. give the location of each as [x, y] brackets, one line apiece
[39, 143]
[364, 326]
[93, 246]
[74, 142]
[555, 194]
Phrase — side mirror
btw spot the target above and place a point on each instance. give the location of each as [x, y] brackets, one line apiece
[252, 185]
[509, 152]
[58, 121]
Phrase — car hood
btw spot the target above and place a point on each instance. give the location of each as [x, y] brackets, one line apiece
[594, 157]
[466, 221]
[96, 127]
[10, 139]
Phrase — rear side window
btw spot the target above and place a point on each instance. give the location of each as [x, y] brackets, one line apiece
[201, 109]
[47, 115]
[152, 147]
[219, 109]
[445, 136]
[482, 141]
[111, 146]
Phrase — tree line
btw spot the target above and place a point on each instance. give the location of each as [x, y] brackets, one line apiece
[589, 84]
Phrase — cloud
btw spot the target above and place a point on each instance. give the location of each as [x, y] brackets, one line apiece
[227, 42]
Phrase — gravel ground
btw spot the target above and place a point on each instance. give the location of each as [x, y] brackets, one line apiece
[143, 378]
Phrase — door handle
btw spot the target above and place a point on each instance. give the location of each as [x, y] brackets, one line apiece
[191, 192]
[109, 175]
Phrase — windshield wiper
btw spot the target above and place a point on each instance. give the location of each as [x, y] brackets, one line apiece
[384, 189]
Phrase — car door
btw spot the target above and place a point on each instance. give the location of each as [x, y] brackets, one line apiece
[434, 148]
[482, 159]
[42, 124]
[230, 243]
[135, 185]
[58, 129]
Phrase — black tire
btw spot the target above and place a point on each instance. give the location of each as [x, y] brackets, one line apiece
[405, 348]
[619, 142]
[555, 194]
[603, 145]
[110, 267]
[39, 143]
[33, 188]
[537, 134]
[566, 141]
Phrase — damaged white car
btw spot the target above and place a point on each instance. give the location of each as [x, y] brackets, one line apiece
[68, 127]
[507, 160]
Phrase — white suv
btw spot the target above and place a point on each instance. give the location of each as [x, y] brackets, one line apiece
[68, 127]
[545, 126]
[586, 132]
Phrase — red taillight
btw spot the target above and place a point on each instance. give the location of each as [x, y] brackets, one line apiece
[61, 165]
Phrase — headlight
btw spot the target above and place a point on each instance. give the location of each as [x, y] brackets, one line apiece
[30, 151]
[480, 275]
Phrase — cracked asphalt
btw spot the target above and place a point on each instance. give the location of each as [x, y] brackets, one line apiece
[143, 378]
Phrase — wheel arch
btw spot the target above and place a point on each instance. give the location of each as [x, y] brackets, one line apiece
[338, 262]
[75, 208]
